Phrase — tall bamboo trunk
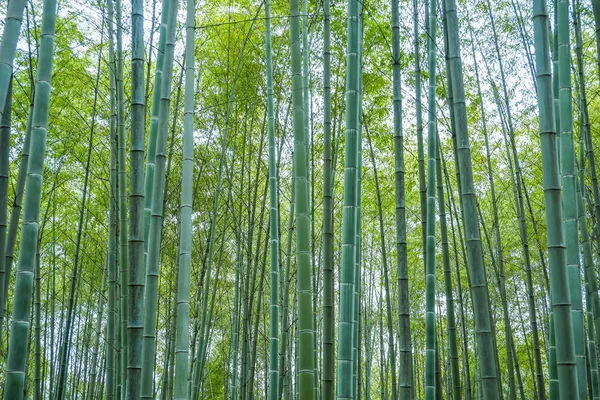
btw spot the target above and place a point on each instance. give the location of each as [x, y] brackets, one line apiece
[327, 391]
[285, 370]
[185, 239]
[454, 372]
[483, 323]
[273, 221]
[303, 262]
[123, 251]
[17, 362]
[406, 390]
[111, 266]
[4, 174]
[358, 220]
[590, 278]
[585, 134]
[560, 296]
[347, 274]
[430, 256]
[568, 180]
[8, 48]
[465, 348]
[155, 230]
[136, 206]
[596, 10]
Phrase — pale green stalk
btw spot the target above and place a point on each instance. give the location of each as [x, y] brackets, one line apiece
[590, 278]
[358, 242]
[450, 319]
[273, 221]
[154, 122]
[483, 324]
[8, 48]
[121, 183]
[430, 257]
[17, 361]
[347, 273]
[560, 296]
[136, 206]
[185, 234]
[305, 331]
[112, 220]
[586, 138]
[328, 367]
[568, 180]
[155, 232]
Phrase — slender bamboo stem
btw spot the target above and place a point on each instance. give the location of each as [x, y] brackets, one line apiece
[560, 296]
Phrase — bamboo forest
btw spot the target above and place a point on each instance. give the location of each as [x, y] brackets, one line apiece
[299, 199]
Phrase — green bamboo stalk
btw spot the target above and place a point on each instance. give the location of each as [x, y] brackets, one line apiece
[483, 326]
[590, 148]
[8, 46]
[246, 309]
[284, 369]
[308, 138]
[560, 296]
[37, 389]
[53, 301]
[136, 206]
[430, 256]
[592, 353]
[111, 379]
[305, 77]
[235, 328]
[206, 330]
[368, 321]
[257, 273]
[465, 348]
[552, 366]
[273, 221]
[386, 279]
[382, 360]
[358, 242]
[450, 319]
[303, 263]
[596, 11]
[93, 377]
[122, 205]
[17, 362]
[568, 180]
[327, 392]
[419, 119]
[154, 122]
[406, 390]
[310, 187]
[185, 238]
[586, 138]
[258, 314]
[4, 173]
[155, 231]
[347, 279]
[589, 275]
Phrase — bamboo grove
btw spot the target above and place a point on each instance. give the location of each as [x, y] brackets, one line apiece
[299, 200]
